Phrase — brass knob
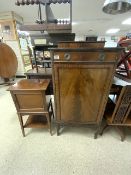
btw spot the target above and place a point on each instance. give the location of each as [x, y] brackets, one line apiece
[67, 56]
[102, 56]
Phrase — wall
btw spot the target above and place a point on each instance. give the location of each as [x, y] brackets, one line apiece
[111, 41]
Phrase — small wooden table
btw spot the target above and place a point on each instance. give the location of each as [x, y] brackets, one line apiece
[30, 99]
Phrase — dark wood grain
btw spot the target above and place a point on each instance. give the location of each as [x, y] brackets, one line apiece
[81, 44]
[80, 91]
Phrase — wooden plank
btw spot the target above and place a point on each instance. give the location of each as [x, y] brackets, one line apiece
[47, 27]
[36, 121]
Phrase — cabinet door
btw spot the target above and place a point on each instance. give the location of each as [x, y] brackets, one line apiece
[81, 91]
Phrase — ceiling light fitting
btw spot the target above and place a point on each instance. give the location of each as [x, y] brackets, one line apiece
[116, 6]
[127, 21]
[111, 31]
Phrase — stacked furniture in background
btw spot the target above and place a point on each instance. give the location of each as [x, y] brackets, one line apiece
[123, 70]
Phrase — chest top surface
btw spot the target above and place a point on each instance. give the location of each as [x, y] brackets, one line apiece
[32, 84]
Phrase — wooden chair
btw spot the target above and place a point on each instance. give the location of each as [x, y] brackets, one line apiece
[118, 114]
[30, 99]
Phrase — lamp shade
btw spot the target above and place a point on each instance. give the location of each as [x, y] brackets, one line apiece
[116, 6]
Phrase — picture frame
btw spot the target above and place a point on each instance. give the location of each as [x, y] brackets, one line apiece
[8, 30]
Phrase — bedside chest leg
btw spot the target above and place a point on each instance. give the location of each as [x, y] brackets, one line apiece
[106, 126]
[49, 123]
[21, 124]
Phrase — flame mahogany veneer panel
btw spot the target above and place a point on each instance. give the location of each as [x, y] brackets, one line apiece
[81, 91]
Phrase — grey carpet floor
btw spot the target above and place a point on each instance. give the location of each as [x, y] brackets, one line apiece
[73, 152]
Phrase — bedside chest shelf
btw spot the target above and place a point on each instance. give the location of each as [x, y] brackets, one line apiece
[36, 121]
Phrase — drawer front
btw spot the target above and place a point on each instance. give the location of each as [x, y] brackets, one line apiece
[85, 56]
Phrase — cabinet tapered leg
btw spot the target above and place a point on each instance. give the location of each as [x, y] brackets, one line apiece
[21, 124]
[121, 132]
[97, 132]
[95, 135]
[58, 128]
[101, 133]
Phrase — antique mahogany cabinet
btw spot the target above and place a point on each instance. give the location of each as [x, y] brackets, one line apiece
[82, 79]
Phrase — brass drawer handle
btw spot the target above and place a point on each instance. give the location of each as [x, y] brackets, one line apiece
[67, 56]
[101, 56]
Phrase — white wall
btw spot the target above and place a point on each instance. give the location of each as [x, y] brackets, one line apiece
[111, 41]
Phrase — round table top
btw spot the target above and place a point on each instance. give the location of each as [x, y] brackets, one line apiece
[8, 61]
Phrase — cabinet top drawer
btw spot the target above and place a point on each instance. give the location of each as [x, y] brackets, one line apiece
[103, 54]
